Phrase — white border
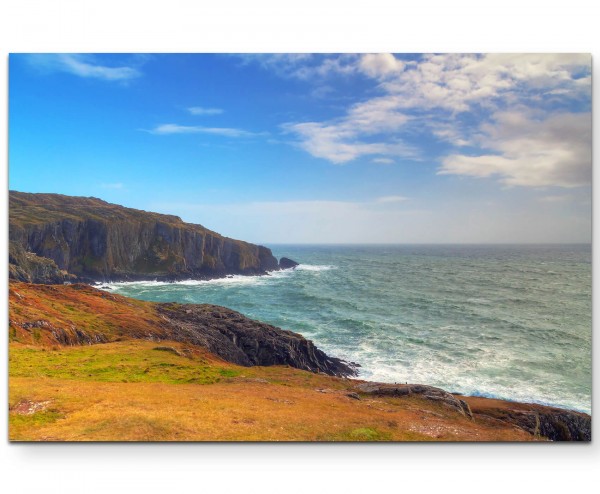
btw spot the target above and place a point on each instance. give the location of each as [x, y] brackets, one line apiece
[309, 25]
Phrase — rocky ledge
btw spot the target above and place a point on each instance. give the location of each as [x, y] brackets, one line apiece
[426, 392]
[243, 341]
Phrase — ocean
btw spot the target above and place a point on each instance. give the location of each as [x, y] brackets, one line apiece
[503, 321]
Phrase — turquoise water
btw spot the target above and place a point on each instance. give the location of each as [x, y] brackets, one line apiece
[513, 322]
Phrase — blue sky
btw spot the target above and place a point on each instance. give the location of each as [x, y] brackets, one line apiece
[369, 148]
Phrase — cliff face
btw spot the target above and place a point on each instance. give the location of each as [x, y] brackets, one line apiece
[29, 267]
[94, 240]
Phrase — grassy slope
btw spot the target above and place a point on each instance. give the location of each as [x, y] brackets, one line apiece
[135, 389]
[30, 209]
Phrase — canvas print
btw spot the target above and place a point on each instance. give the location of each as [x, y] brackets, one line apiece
[300, 247]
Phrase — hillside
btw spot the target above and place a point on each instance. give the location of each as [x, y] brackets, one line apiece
[56, 238]
[89, 365]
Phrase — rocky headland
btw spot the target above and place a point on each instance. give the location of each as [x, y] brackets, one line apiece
[55, 238]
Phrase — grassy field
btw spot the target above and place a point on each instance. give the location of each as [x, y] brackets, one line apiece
[133, 384]
[142, 391]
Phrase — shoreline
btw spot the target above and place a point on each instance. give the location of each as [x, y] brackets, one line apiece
[238, 277]
[146, 324]
[181, 280]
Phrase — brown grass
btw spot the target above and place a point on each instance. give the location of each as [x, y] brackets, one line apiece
[133, 389]
[257, 404]
[77, 307]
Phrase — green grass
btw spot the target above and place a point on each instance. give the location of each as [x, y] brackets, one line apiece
[361, 434]
[115, 363]
[35, 419]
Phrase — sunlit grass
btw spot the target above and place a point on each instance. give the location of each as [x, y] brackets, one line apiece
[139, 386]
[103, 393]
[116, 362]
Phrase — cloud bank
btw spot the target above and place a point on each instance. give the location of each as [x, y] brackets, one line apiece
[525, 118]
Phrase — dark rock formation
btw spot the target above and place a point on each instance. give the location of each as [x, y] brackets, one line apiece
[285, 263]
[553, 423]
[541, 421]
[425, 392]
[31, 268]
[243, 341]
[69, 336]
[97, 241]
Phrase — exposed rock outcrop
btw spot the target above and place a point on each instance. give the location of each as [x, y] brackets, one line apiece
[93, 240]
[425, 392]
[553, 423]
[31, 268]
[285, 263]
[541, 421]
[243, 341]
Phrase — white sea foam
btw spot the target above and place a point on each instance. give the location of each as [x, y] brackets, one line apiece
[458, 376]
[236, 279]
[230, 280]
[314, 267]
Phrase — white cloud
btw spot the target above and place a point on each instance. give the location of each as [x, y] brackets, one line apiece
[201, 111]
[83, 66]
[554, 151]
[428, 95]
[388, 199]
[343, 139]
[456, 81]
[338, 143]
[166, 129]
[380, 65]
[450, 132]
[304, 66]
[383, 161]
[449, 81]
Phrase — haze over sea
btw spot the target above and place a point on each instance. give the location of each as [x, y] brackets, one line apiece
[505, 321]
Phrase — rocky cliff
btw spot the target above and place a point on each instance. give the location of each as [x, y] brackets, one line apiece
[54, 238]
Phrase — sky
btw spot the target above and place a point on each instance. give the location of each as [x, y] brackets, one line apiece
[316, 148]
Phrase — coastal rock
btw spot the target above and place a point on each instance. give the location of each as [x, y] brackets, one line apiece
[560, 425]
[31, 268]
[552, 423]
[243, 341]
[92, 240]
[425, 392]
[285, 263]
